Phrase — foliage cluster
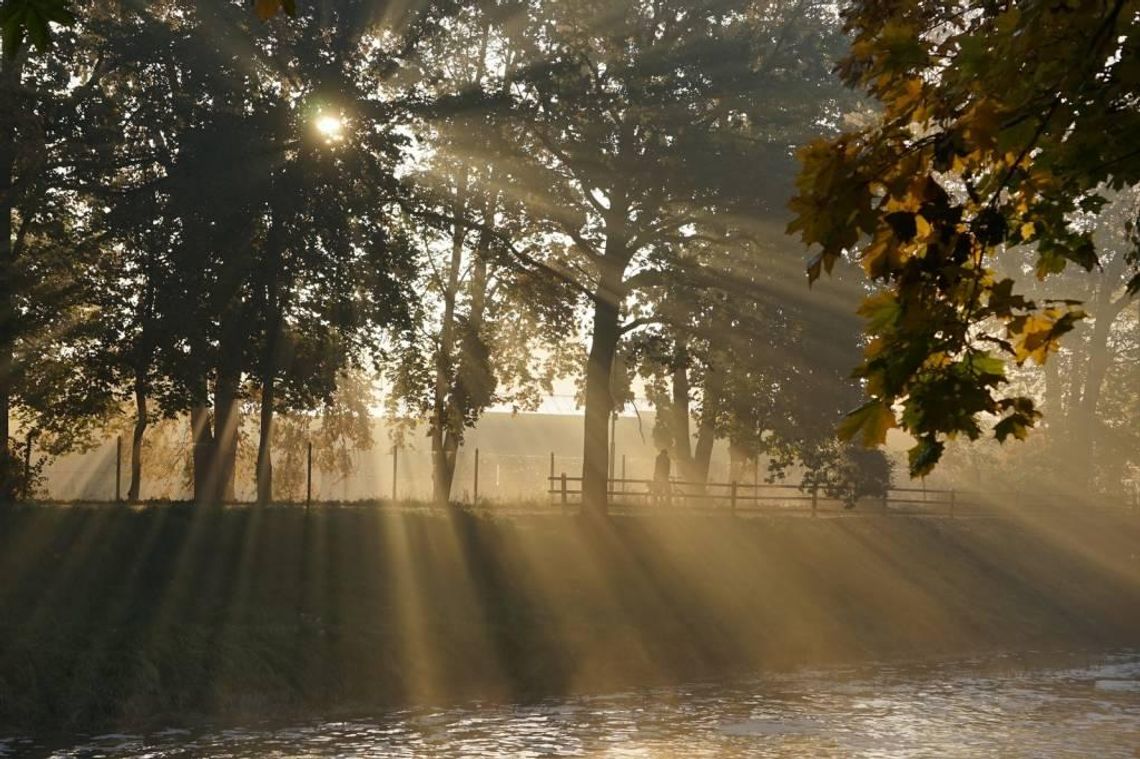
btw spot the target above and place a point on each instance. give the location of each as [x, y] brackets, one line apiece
[1002, 125]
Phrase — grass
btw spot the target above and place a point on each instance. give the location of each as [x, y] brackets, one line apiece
[168, 614]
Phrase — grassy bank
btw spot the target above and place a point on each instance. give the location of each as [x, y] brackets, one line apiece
[112, 616]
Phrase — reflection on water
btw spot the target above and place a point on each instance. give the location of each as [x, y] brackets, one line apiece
[995, 708]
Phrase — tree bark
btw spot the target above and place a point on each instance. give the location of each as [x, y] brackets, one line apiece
[9, 464]
[203, 447]
[137, 437]
[444, 438]
[227, 407]
[227, 417]
[706, 430]
[264, 441]
[274, 303]
[599, 395]
[143, 356]
[682, 443]
[1098, 358]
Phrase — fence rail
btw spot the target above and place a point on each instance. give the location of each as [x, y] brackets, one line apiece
[735, 497]
[750, 495]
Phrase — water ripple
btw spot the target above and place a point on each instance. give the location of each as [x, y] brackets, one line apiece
[885, 712]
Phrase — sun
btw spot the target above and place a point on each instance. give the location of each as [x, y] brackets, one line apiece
[330, 127]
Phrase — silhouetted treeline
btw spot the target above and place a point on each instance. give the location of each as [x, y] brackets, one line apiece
[204, 217]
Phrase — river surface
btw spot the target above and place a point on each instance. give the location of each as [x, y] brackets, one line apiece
[999, 707]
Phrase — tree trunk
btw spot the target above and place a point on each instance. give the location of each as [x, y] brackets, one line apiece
[444, 434]
[9, 464]
[706, 431]
[1106, 310]
[682, 443]
[143, 357]
[203, 444]
[264, 441]
[1098, 363]
[599, 394]
[137, 438]
[227, 417]
[227, 410]
[274, 304]
[737, 462]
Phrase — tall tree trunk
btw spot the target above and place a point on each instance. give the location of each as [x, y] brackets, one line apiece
[143, 356]
[9, 464]
[444, 434]
[264, 440]
[599, 392]
[1106, 310]
[137, 437]
[203, 447]
[227, 417]
[737, 460]
[706, 431]
[274, 303]
[1099, 362]
[682, 443]
[227, 407]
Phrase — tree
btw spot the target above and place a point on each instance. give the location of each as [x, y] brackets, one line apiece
[493, 323]
[23, 21]
[273, 251]
[54, 126]
[767, 369]
[633, 121]
[1003, 125]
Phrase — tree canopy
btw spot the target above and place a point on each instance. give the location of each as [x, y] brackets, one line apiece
[1000, 126]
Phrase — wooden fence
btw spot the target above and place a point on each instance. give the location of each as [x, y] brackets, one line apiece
[774, 498]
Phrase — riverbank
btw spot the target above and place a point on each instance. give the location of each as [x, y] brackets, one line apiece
[159, 616]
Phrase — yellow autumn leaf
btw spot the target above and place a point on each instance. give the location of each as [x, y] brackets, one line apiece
[874, 347]
[937, 360]
[871, 421]
[1035, 339]
[923, 226]
[874, 255]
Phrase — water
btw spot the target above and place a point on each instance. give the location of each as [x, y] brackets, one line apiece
[997, 708]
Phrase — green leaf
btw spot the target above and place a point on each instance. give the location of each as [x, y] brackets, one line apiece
[1015, 425]
[987, 364]
[923, 457]
[32, 20]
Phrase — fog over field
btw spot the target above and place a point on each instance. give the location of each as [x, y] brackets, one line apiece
[448, 377]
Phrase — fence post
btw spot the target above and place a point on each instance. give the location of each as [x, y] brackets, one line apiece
[814, 501]
[476, 488]
[395, 464]
[952, 499]
[623, 474]
[309, 475]
[564, 492]
[732, 499]
[118, 468]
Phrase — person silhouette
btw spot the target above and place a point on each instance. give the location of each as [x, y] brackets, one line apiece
[661, 477]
